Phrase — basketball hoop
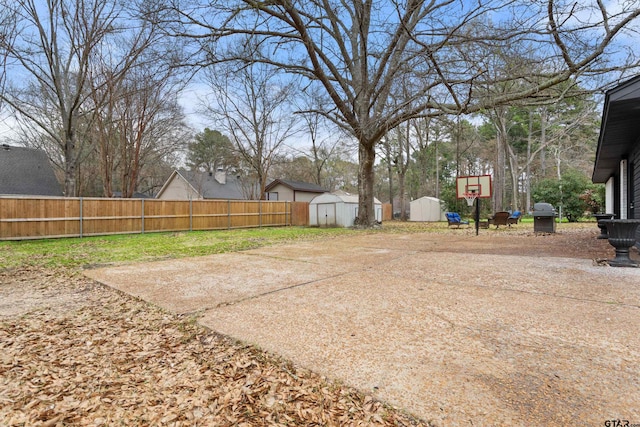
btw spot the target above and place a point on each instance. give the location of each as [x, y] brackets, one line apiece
[470, 197]
[471, 188]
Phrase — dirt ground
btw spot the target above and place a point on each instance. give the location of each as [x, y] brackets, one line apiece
[506, 328]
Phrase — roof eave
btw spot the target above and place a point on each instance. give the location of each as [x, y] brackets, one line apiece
[616, 138]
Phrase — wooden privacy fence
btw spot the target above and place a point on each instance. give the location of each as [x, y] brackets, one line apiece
[36, 218]
[387, 212]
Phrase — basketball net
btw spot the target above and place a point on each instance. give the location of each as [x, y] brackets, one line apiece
[470, 197]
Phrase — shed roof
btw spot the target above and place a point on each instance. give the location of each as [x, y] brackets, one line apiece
[427, 198]
[296, 186]
[619, 130]
[339, 197]
[27, 171]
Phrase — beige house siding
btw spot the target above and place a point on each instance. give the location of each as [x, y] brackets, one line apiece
[292, 191]
[286, 194]
[302, 196]
[178, 189]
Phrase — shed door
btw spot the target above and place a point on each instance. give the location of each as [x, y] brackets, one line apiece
[327, 214]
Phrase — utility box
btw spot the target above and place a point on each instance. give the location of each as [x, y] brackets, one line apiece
[544, 218]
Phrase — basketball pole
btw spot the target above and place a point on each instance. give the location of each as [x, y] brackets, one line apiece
[477, 215]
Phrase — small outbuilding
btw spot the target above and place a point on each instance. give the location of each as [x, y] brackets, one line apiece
[338, 210]
[427, 209]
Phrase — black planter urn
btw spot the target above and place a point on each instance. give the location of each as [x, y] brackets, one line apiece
[603, 228]
[622, 236]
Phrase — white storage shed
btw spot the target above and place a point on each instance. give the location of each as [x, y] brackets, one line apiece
[337, 210]
[426, 209]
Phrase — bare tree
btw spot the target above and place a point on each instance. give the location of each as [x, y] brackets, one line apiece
[396, 149]
[51, 64]
[252, 103]
[139, 122]
[327, 140]
[357, 50]
[8, 25]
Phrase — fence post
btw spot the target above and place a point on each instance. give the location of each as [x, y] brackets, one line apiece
[142, 217]
[259, 213]
[190, 214]
[228, 214]
[80, 217]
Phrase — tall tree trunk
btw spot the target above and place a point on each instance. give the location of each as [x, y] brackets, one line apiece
[543, 142]
[404, 152]
[367, 156]
[402, 197]
[513, 169]
[70, 169]
[318, 174]
[437, 155]
[135, 160]
[499, 181]
[387, 148]
[527, 178]
[391, 195]
[106, 166]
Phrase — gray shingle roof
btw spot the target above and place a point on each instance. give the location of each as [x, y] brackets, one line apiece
[296, 186]
[27, 171]
[210, 188]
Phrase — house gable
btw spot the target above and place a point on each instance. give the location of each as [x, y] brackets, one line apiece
[178, 188]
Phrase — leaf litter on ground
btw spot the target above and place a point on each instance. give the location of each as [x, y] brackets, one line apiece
[87, 355]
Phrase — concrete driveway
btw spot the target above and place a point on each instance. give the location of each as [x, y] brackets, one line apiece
[455, 328]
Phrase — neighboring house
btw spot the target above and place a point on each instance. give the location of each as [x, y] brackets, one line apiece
[27, 171]
[187, 185]
[617, 162]
[292, 191]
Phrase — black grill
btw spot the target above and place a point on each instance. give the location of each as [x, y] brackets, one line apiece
[544, 218]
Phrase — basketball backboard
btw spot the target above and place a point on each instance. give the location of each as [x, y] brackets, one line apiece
[480, 185]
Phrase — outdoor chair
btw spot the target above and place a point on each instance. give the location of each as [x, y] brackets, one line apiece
[499, 218]
[514, 218]
[454, 220]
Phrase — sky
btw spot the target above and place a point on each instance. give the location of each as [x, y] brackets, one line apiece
[190, 99]
[7, 128]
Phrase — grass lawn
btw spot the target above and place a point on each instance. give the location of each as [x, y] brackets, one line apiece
[78, 252]
[99, 250]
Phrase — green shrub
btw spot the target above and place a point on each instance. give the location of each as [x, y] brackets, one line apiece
[574, 193]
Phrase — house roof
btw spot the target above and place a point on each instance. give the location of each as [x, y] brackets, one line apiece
[27, 171]
[619, 130]
[295, 186]
[206, 185]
